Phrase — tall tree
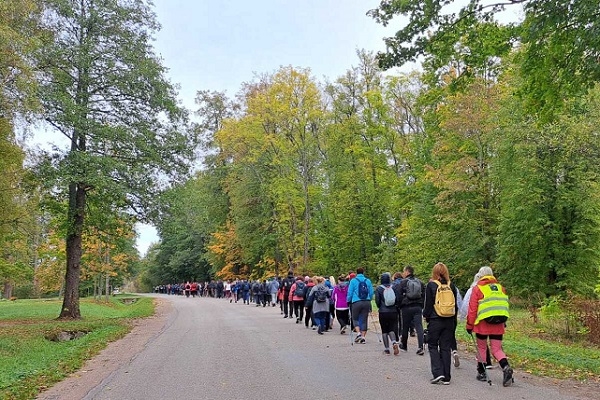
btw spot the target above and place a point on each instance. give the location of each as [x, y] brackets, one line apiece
[104, 89]
[559, 39]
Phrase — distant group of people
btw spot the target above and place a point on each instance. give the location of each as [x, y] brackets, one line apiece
[217, 289]
[403, 302]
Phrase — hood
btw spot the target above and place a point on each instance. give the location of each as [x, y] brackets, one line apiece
[386, 279]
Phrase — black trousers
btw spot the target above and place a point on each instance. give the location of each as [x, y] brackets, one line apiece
[439, 343]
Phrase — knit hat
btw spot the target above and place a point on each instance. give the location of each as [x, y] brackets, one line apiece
[306, 278]
[385, 278]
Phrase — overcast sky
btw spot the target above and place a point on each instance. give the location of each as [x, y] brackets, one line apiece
[219, 44]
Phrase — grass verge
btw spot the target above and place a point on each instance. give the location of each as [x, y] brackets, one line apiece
[31, 362]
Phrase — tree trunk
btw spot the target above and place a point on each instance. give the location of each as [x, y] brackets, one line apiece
[7, 292]
[107, 286]
[70, 308]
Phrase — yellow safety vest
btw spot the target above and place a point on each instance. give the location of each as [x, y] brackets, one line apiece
[493, 304]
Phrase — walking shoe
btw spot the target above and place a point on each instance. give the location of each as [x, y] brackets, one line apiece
[507, 380]
[396, 348]
[386, 352]
[420, 351]
[343, 330]
[285, 316]
[438, 379]
[297, 320]
[357, 338]
[445, 382]
[455, 358]
[403, 348]
[362, 340]
[481, 376]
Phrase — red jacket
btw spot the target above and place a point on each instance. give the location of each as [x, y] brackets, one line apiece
[483, 327]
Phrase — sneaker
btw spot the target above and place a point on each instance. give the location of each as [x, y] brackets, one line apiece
[481, 377]
[396, 348]
[297, 320]
[362, 340]
[438, 379]
[455, 358]
[445, 382]
[386, 352]
[420, 351]
[285, 316]
[507, 380]
[343, 330]
[358, 338]
[489, 366]
[403, 348]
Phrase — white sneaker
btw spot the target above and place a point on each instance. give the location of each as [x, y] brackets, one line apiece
[455, 358]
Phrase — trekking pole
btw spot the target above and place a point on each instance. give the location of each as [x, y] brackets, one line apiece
[375, 327]
[479, 361]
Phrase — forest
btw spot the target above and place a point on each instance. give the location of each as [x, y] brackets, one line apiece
[487, 155]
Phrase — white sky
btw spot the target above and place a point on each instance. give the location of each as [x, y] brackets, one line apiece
[219, 44]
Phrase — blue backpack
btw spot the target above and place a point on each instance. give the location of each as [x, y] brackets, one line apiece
[363, 289]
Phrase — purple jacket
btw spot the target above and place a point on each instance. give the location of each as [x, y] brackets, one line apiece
[338, 296]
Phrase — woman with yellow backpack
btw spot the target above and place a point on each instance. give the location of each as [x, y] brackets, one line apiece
[440, 312]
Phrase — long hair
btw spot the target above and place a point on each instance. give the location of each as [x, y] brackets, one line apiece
[440, 272]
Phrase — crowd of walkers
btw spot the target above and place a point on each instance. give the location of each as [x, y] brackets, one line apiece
[403, 302]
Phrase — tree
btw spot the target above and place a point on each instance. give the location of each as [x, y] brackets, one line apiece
[559, 40]
[104, 89]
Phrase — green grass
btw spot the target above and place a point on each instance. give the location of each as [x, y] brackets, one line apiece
[532, 349]
[30, 362]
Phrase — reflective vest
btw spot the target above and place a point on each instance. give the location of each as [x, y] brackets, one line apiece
[494, 302]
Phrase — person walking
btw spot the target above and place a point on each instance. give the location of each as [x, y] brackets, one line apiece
[386, 300]
[440, 311]
[412, 296]
[319, 298]
[296, 297]
[487, 315]
[360, 294]
[308, 316]
[338, 297]
[273, 289]
[287, 283]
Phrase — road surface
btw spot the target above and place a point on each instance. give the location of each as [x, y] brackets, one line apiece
[211, 349]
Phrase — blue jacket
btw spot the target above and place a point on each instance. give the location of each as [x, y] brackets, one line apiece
[352, 295]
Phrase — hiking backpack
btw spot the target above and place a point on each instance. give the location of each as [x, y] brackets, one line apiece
[444, 303]
[363, 289]
[321, 295]
[299, 292]
[413, 289]
[389, 296]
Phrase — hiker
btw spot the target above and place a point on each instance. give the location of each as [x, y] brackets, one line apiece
[309, 285]
[319, 298]
[396, 280]
[440, 313]
[263, 290]
[246, 291]
[412, 296]
[486, 316]
[287, 285]
[463, 309]
[340, 303]
[386, 300]
[296, 297]
[360, 293]
[331, 315]
[273, 289]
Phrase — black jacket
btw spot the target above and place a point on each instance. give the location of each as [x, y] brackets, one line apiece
[405, 301]
[430, 291]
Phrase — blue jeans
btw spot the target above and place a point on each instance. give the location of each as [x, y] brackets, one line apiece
[320, 320]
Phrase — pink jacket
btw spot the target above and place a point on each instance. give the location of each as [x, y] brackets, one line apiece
[483, 327]
[292, 297]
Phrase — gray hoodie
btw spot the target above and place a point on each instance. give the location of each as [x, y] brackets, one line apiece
[319, 306]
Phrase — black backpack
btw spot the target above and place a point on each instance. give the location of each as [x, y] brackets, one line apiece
[321, 295]
[413, 289]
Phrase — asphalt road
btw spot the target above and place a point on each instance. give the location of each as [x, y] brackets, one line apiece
[211, 349]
